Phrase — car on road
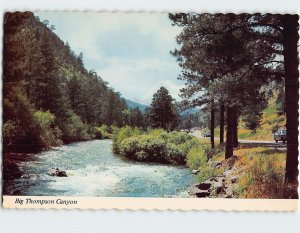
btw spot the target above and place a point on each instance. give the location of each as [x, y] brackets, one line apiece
[280, 135]
[206, 134]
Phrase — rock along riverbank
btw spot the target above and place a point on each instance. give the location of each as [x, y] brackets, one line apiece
[218, 186]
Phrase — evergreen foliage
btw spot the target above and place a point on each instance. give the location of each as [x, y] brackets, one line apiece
[162, 112]
[49, 96]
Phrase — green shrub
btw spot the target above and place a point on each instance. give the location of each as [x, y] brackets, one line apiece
[11, 133]
[186, 146]
[153, 146]
[156, 132]
[46, 119]
[74, 129]
[122, 133]
[129, 147]
[180, 137]
[174, 154]
[50, 134]
[142, 156]
[22, 131]
[103, 132]
[207, 171]
[197, 157]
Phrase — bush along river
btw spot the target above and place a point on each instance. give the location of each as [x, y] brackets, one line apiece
[92, 170]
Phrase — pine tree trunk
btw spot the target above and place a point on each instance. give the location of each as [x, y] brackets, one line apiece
[290, 40]
[235, 128]
[222, 112]
[229, 133]
[212, 126]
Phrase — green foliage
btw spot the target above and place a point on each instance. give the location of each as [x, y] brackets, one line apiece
[48, 93]
[50, 134]
[120, 134]
[154, 146]
[46, 119]
[10, 133]
[206, 172]
[198, 157]
[103, 132]
[269, 123]
[137, 118]
[264, 178]
[162, 112]
[74, 129]
[21, 130]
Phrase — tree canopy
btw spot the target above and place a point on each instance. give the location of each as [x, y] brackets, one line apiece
[162, 112]
[44, 79]
[229, 58]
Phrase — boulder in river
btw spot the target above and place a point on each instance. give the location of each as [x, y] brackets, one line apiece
[30, 176]
[57, 172]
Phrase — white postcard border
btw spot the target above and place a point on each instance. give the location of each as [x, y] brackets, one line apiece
[134, 203]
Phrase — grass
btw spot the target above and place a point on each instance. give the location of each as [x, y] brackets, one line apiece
[270, 122]
[207, 172]
[206, 141]
[197, 159]
[261, 173]
[260, 170]
[217, 132]
[245, 133]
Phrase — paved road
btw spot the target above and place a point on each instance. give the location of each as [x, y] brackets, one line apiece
[270, 144]
[255, 143]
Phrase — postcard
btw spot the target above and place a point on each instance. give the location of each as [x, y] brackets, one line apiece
[139, 110]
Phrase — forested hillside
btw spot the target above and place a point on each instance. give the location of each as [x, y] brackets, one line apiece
[49, 97]
[132, 105]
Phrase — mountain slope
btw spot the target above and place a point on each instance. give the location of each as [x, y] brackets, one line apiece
[131, 104]
[49, 96]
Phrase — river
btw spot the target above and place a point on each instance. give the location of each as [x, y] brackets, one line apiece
[93, 171]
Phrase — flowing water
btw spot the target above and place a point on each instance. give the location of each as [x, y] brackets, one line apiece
[93, 170]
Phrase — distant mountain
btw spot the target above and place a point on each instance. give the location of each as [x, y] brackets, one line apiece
[131, 104]
[189, 111]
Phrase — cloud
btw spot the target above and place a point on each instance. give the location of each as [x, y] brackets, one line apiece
[129, 50]
[140, 79]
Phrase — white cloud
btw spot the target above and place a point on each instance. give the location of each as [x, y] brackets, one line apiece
[137, 78]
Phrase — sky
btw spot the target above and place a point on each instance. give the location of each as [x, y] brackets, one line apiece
[129, 50]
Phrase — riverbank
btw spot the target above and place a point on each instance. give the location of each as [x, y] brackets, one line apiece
[253, 172]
